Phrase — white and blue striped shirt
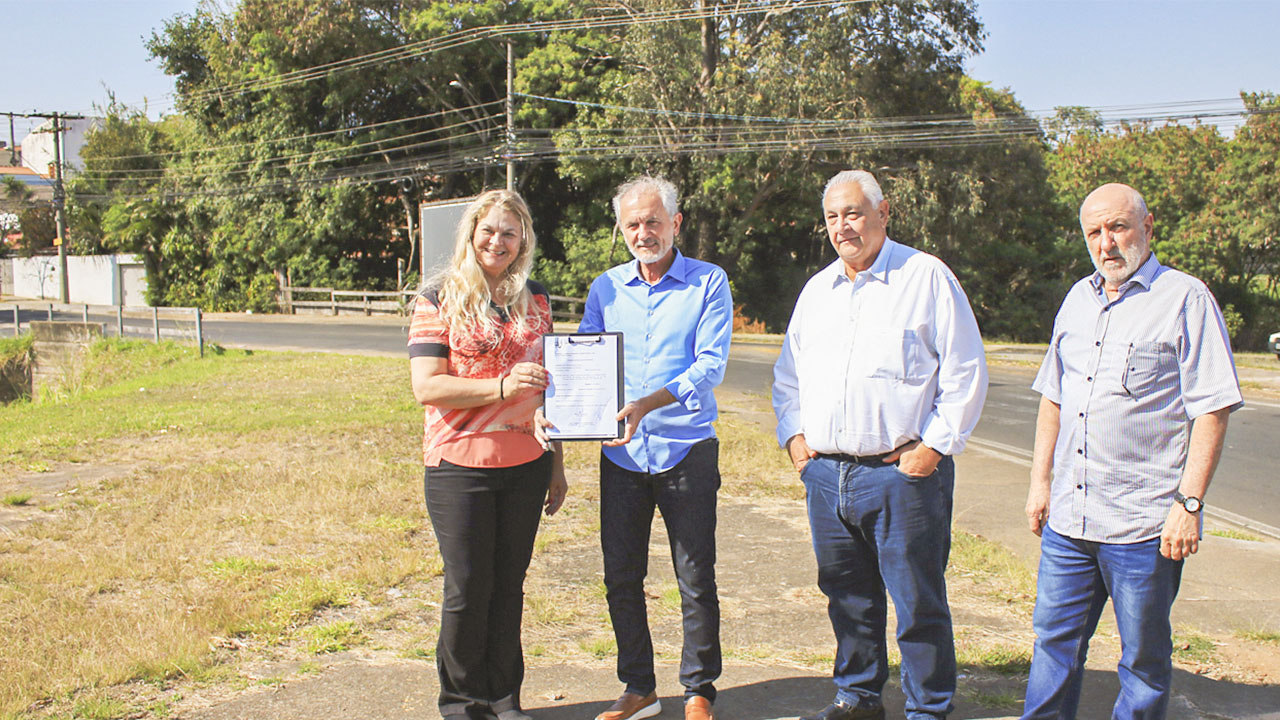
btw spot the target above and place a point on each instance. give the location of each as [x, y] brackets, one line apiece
[1130, 375]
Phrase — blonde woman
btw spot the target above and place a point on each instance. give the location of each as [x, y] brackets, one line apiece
[475, 358]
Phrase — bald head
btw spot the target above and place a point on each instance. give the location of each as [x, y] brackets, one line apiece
[1117, 228]
[1113, 194]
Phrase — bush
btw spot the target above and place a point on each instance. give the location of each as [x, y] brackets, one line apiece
[15, 368]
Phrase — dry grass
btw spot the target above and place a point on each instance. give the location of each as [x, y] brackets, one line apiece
[751, 464]
[271, 504]
[253, 498]
[997, 572]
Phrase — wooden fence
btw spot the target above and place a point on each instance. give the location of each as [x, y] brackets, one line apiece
[387, 302]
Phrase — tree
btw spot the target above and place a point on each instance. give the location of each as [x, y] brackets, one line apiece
[750, 112]
[1240, 226]
[34, 219]
[1211, 198]
[300, 117]
[304, 175]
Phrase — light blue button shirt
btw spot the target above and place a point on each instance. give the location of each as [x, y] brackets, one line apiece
[675, 335]
[1130, 375]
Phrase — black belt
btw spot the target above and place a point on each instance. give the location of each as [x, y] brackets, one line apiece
[859, 459]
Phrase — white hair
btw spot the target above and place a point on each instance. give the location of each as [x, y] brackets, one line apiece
[647, 183]
[863, 179]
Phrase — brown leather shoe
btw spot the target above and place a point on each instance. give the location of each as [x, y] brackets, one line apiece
[632, 707]
[698, 708]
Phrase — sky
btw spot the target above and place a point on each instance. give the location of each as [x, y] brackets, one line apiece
[1126, 55]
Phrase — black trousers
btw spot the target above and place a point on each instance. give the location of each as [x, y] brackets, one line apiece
[686, 496]
[485, 520]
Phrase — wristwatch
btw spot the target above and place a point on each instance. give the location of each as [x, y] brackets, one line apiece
[1192, 505]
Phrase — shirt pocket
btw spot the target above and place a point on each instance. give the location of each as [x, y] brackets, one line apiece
[892, 354]
[1146, 365]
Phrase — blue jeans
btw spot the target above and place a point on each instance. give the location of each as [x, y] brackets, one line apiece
[876, 530]
[686, 496]
[1076, 577]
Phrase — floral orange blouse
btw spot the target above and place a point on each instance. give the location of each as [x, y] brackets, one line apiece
[496, 435]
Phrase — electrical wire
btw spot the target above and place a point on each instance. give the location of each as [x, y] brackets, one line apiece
[302, 159]
[473, 109]
[621, 143]
[468, 36]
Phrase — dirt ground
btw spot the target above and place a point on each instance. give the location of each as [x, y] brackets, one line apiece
[776, 637]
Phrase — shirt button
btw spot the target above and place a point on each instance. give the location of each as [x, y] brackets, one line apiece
[1079, 451]
[1089, 379]
[1081, 414]
[1098, 343]
[1079, 487]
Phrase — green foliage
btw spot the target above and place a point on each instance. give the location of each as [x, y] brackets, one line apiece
[1212, 198]
[984, 210]
[587, 254]
[331, 638]
[262, 176]
[15, 367]
[18, 498]
[35, 219]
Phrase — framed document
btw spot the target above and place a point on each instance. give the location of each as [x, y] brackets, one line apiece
[585, 393]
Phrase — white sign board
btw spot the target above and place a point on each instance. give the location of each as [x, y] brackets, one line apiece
[439, 222]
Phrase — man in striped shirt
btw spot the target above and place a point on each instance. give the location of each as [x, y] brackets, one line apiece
[1137, 385]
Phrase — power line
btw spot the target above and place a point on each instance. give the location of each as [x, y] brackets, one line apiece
[624, 142]
[381, 146]
[309, 136]
[468, 36]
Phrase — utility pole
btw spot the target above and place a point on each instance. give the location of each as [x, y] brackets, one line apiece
[13, 148]
[59, 192]
[511, 120]
[59, 207]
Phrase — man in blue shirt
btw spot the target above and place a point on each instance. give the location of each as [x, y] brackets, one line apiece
[676, 317]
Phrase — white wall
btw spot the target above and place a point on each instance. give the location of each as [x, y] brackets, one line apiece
[6, 276]
[37, 147]
[94, 279]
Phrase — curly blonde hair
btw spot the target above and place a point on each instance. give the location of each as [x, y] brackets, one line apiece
[466, 303]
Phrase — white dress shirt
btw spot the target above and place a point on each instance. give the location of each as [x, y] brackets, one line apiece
[873, 363]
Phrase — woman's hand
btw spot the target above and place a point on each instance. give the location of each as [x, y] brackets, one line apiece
[524, 378]
[542, 428]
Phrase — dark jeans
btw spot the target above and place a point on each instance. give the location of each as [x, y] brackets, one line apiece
[485, 520]
[876, 530]
[686, 496]
[1076, 577]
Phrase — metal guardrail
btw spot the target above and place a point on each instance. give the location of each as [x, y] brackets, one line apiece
[11, 311]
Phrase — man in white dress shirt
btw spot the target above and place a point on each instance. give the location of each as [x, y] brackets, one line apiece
[881, 380]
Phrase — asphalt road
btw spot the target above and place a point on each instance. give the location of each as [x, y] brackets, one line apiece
[1244, 491]
[1241, 492]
